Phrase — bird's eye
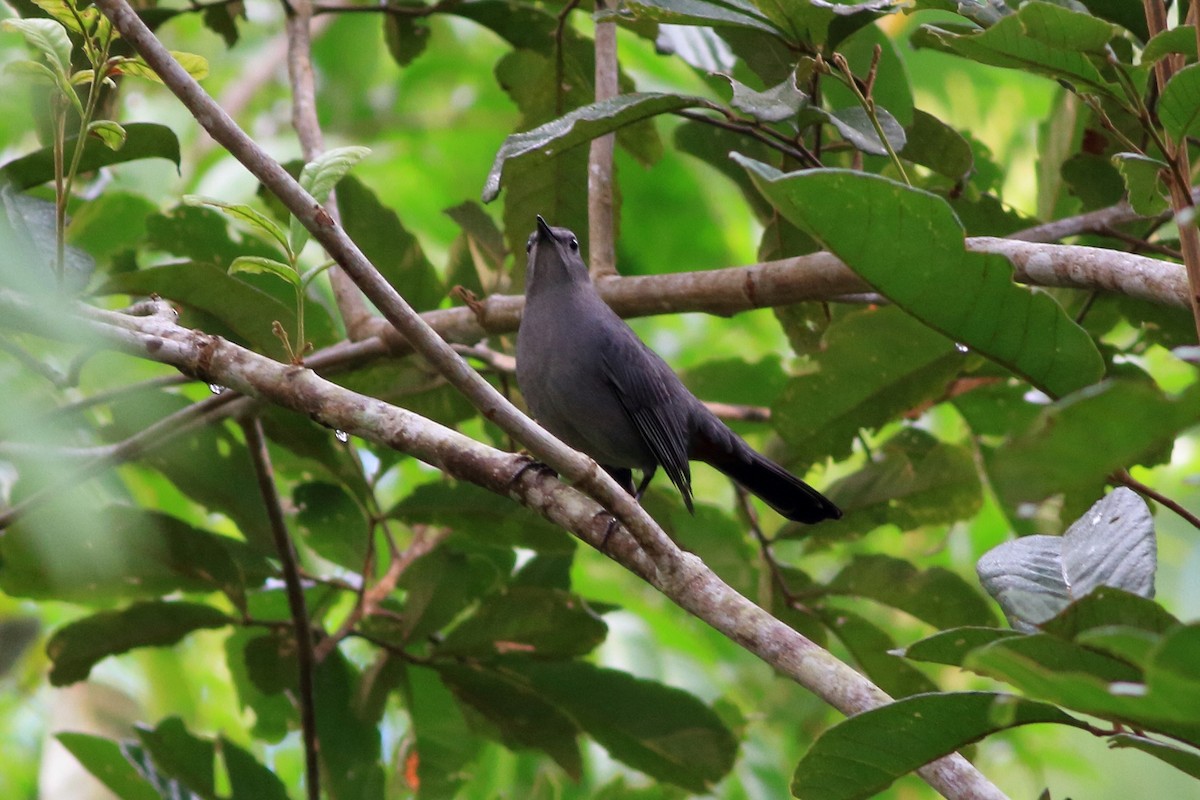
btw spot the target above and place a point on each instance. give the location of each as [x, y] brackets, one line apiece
[528, 245]
[574, 245]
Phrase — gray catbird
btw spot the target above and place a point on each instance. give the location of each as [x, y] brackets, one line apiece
[590, 381]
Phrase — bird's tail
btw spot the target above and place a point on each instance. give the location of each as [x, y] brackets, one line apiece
[778, 488]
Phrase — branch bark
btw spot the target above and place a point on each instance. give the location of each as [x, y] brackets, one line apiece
[256, 443]
[692, 585]
[601, 216]
[579, 469]
[349, 300]
[821, 277]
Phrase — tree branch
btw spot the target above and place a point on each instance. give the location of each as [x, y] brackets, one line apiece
[692, 585]
[577, 468]
[349, 300]
[256, 443]
[601, 220]
[819, 276]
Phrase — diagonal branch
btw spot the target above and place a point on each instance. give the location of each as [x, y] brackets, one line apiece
[577, 468]
[692, 586]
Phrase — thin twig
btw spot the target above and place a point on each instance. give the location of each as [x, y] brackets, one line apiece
[256, 443]
[1125, 479]
[560, 26]
[574, 466]
[370, 598]
[788, 149]
[136, 446]
[117, 392]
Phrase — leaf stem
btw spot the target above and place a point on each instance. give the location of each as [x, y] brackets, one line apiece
[868, 105]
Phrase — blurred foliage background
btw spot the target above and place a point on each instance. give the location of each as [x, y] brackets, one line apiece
[434, 126]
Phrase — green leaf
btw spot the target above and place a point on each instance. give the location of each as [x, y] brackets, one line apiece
[119, 552]
[1065, 29]
[1143, 182]
[1179, 106]
[715, 13]
[351, 756]
[143, 140]
[855, 126]
[318, 178]
[1108, 606]
[1183, 759]
[872, 648]
[1180, 39]
[106, 760]
[221, 19]
[516, 714]
[444, 744]
[438, 586]
[63, 12]
[194, 65]
[268, 266]
[229, 306]
[1008, 44]
[662, 731]
[952, 647]
[109, 132]
[543, 623]
[581, 126]
[248, 777]
[936, 595]
[209, 464]
[934, 144]
[1058, 453]
[393, 250]
[1125, 642]
[332, 523]
[775, 104]
[405, 38]
[271, 662]
[854, 387]
[48, 36]
[185, 757]
[78, 646]
[257, 221]
[546, 186]
[1075, 677]
[863, 755]
[272, 713]
[913, 480]
[113, 223]
[873, 224]
[478, 512]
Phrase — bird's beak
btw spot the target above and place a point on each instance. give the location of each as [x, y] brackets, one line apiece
[544, 232]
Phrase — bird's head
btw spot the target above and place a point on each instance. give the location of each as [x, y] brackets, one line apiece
[554, 257]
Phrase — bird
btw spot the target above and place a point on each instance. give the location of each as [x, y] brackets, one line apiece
[588, 379]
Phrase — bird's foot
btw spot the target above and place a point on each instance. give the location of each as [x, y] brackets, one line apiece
[528, 463]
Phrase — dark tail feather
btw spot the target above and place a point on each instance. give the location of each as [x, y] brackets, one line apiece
[778, 488]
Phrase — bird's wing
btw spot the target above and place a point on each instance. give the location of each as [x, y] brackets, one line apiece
[654, 399]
